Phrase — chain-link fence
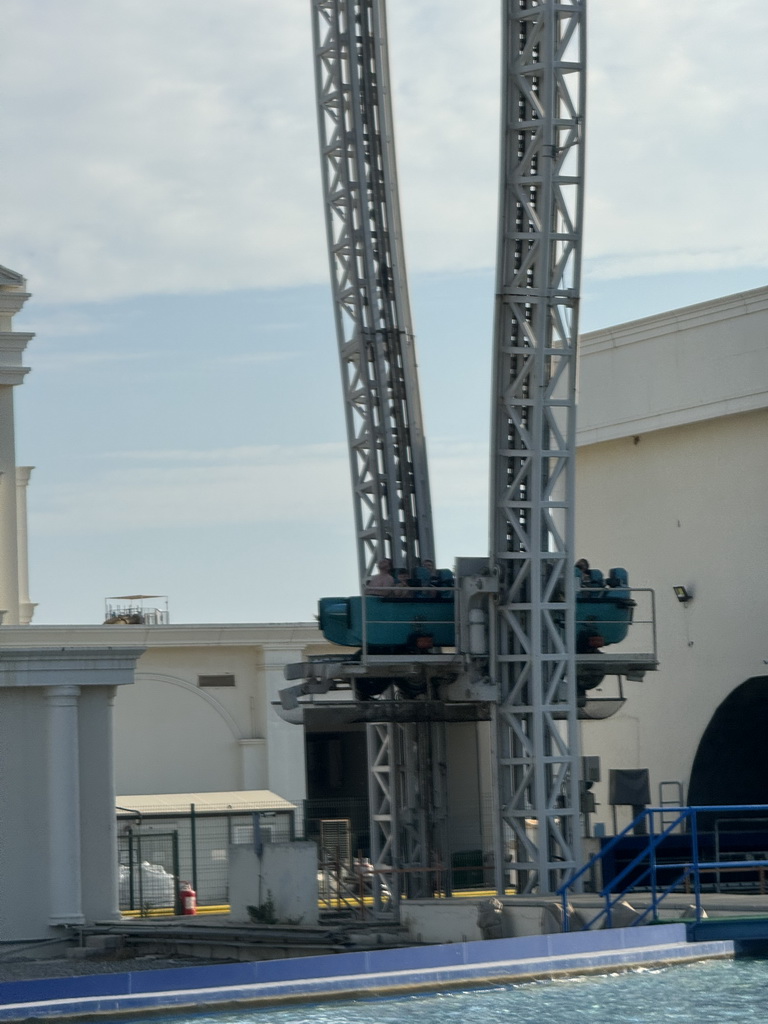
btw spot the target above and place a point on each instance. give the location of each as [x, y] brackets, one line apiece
[201, 841]
[160, 849]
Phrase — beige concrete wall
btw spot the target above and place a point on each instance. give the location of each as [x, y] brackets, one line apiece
[686, 505]
[698, 363]
[172, 735]
[285, 874]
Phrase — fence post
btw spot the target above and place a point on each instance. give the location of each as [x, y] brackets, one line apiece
[696, 872]
[193, 843]
[654, 872]
[177, 905]
[131, 873]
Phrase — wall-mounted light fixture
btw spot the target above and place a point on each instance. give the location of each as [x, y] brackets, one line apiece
[683, 594]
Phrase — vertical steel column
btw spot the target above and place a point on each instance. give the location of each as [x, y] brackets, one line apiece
[532, 485]
[383, 810]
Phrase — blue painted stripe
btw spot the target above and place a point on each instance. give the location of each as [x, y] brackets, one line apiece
[347, 974]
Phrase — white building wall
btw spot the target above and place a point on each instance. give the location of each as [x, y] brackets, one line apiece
[688, 365]
[672, 485]
[168, 730]
[172, 735]
[57, 854]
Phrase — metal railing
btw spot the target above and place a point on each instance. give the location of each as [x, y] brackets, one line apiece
[660, 877]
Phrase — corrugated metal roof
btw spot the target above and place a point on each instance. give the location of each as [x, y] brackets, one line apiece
[241, 800]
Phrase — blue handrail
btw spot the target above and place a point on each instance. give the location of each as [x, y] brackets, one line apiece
[642, 870]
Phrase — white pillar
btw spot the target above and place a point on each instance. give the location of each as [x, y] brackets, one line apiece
[26, 607]
[65, 898]
[286, 759]
[98, 831]
[9, 566]
[13, 295]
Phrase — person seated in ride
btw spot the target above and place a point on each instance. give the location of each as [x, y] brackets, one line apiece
[445, 579]
[583, 575]
[586, 577]
[403, 584]
[439, 577]
[426, 575]
[381, 584]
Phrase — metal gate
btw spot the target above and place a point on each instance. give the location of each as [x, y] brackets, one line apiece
[149, 871]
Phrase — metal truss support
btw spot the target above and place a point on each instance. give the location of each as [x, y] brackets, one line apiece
[382, 800]
[408, 801]
[532, 486]
[388, 459]
[393, 515]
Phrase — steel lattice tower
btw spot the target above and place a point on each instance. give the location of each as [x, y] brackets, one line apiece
[393, 514]
[388, 460]
[533, 440]
[533, 433]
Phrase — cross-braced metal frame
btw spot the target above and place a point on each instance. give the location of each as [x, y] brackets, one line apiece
[408, 807]
[393, 515]
[532, 487]
[388, 459]
[533, 656]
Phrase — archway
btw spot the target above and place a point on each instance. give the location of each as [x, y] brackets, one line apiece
[731, 763]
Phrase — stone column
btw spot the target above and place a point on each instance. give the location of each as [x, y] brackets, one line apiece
[66, 906]
[26, 607]
[13, 295]
[98, 831]
[9, 568]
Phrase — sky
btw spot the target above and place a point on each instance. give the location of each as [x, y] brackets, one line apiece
[160, 191]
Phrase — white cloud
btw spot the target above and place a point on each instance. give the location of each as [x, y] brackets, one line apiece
[165, 148]
[172, 146]
[675, 138]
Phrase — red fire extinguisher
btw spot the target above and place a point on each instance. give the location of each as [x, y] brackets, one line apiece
[187, 898]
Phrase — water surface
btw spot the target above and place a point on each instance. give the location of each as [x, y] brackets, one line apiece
[710, 992]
